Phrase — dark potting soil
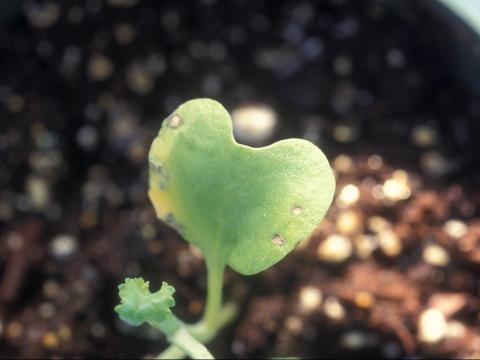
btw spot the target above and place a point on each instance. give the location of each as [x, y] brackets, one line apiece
[84, 86]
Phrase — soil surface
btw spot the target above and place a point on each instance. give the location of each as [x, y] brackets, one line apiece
[84, 85]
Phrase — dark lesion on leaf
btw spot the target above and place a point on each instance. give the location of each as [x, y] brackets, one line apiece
[156, 167]
[173, 222]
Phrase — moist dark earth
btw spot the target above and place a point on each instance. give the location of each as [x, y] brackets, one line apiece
[391, 272]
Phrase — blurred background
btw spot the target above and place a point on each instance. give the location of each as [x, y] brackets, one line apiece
[390, 90]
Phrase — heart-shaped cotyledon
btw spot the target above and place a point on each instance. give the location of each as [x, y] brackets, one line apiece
[241, 206]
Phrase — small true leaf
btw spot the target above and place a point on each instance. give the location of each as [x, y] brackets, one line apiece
[139, 305]
[242, 206]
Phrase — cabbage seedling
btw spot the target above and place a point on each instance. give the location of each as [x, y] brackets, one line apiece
[241, 206]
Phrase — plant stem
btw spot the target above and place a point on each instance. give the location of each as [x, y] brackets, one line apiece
[183, 342]
[188, 344]
[213, 306]
[200, 332]
[172, 352]
[214, 317]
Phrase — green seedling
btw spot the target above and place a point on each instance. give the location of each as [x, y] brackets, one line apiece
[241, 206]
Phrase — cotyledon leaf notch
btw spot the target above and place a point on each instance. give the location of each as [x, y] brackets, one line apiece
[242, 206]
